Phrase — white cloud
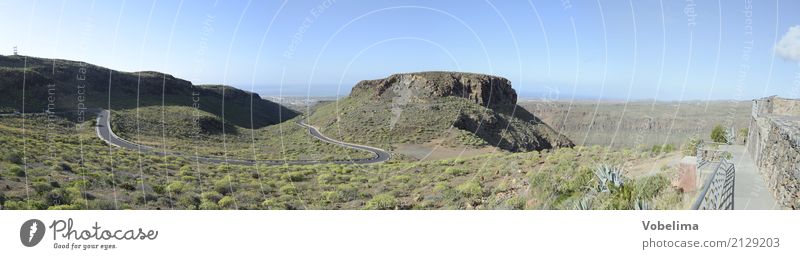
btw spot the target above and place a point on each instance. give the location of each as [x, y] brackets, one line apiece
[789, 46]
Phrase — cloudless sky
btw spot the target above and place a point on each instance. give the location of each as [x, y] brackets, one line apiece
[637, 49]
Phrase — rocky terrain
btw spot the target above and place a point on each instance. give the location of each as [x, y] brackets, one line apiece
[441, 109]
[638, 124]
[484, 90]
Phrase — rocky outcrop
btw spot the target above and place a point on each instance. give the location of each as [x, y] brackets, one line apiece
[486, 90]
[774, 144]
[432, 107]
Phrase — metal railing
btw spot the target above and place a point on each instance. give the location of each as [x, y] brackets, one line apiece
[718, 190]
[707, 152]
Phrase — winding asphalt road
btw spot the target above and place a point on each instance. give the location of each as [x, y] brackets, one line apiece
[105, 133]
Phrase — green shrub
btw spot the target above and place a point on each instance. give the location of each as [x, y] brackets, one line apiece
[15, 205]
[382, 201]
[454, 171]
[325, 178]
[14, 157]
[501, 187]
[208, 205]
[189, 200]
[41, 187]
[142, 198]
[668, 148]
[185, 171]
[658, 149]
[226, 202]
[295, 176]
[690, 148]
[718, 134]
[273, 204]
[16, 170]
[63, 166]
[223, 168]
[621, 199]
[347, 192]
[401, 178]
[66, 207]
[211, 196]
[248, 199]
[649, 186]
[102, 205]
[655, 149]
[470, 189]
[176, 187]
[127, 186]
[669, 199]
[158, 189]
[330, 197]
[225, 185]
[288, 189]
[516, 203]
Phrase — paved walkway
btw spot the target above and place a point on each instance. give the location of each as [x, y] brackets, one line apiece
[750, 191]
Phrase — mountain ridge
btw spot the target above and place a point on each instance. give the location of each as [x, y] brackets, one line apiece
[67, 84]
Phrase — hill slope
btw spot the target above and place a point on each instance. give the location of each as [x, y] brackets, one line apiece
[443, 108]
[64, 84]
[639, 124]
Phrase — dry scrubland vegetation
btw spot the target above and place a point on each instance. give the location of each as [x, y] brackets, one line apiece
[60, 176]
[188, 131]
[51, 163]
[639, 124]
[350, 121]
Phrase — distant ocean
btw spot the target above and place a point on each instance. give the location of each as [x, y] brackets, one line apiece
[301, 90]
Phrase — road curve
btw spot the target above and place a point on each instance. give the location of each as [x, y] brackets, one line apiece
[105, 133]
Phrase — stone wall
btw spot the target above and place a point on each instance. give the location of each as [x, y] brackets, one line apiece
[774, 144]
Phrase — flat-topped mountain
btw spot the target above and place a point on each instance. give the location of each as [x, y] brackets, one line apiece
[66, 84]
[484, 90]
[450, 109]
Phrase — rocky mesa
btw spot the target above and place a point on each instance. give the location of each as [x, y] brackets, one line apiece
[484, 90]
[451, 109]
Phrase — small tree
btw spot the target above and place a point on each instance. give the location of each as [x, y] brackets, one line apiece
[690, 148]
[718, 134]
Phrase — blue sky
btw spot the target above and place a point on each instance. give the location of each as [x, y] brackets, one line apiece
[620, 50]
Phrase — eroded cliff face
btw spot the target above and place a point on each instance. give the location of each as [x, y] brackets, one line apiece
[485, 90]
[421, 108]
[774, 144]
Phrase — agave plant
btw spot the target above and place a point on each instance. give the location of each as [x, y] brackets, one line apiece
[584, 204]
[606, 174]
[639, 204]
